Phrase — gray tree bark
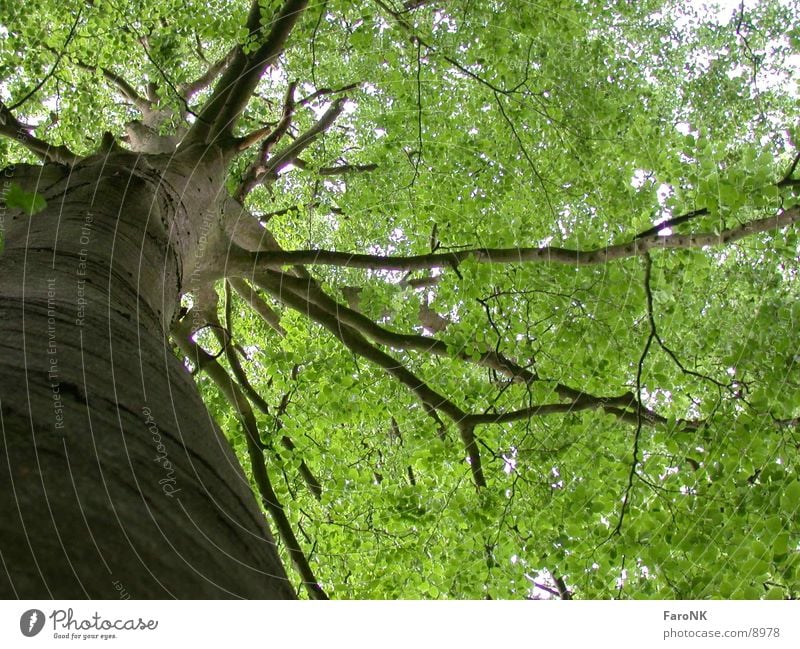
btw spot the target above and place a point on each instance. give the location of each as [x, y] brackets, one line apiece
[113, 476]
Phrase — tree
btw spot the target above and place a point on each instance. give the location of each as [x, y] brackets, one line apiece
[490, 300]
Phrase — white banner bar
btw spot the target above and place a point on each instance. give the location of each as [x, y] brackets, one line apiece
[405, 625]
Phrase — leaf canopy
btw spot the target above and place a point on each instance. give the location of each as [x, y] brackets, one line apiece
[498, 125]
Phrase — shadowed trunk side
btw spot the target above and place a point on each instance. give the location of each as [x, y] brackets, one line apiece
[112, 475]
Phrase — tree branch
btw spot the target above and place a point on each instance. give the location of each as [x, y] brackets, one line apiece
[230, 354]
[312, 291]
[648, 265]
[560, 589]
[323, 92]
[346, 169]
[238, 401]
[411, 5]
[128, 92]
[12, 128]
[256, 170]
[268, 169]
[787, 179]
[249, 295]
[235, 87]
[243, 262]
[273, 283]
[189, 90]
[671, 223]
[273, 135]
[301, 294]
[563, 591]
[415, 38]
[467, 431]
[545, 588]
[51, 72]
[309, 478]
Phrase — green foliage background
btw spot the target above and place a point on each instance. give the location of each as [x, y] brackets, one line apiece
[504, 124]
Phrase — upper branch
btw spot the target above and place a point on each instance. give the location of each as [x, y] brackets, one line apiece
[235, 87]
[303, 295]
[671, 223]
[274, 284]
[626, 407]
[224, 336]
[271, 137]
[126, 89]
[636, 459]
[417, 39]
[265, 169]
[346, 169]
[189, 90]
[547, 254]
[248, 293]
[353, 340]
[59, 56]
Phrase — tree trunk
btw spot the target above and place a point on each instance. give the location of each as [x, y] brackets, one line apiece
[113, 476]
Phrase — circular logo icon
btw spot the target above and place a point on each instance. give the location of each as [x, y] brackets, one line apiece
[31, 622]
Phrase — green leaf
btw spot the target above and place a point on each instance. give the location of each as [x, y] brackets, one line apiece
[17, 198]
[775, 593]
[790, 498]
[781, 544]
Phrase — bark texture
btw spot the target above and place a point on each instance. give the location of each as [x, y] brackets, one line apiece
[113, 476]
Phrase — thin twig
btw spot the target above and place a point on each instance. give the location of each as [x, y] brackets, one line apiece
[640, 367]
[52, 70]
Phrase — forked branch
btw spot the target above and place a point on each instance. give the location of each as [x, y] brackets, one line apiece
[311, 289]
[267, 169]
[352, 339]
[303, 295]
[125, 89]
[235, 87]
